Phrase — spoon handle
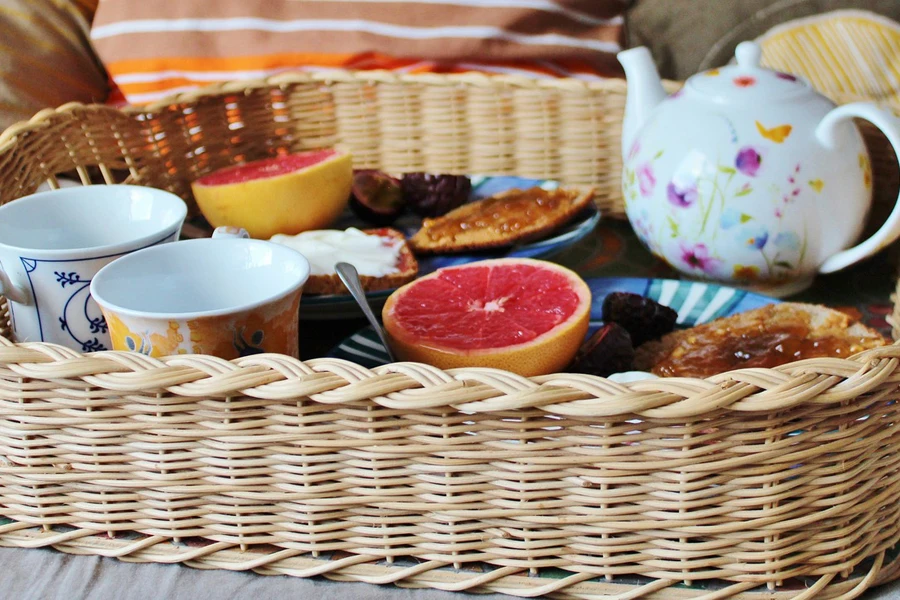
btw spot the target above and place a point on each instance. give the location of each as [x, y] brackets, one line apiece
[350, 277]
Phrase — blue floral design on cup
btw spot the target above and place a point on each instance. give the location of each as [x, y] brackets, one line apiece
[96, 324]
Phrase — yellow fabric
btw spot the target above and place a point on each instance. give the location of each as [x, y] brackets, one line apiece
[46, 57]
[845, 54]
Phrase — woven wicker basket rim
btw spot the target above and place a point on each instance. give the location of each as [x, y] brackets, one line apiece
[411, 386]
[246, 86]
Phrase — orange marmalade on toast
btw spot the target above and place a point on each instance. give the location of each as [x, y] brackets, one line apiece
[711, 350]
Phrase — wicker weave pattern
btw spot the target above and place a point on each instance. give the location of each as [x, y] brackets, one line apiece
[751, 477]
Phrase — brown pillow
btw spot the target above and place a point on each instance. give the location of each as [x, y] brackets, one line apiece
[46, 58]
[686, 36]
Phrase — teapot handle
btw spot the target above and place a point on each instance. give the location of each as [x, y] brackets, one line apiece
[828, 134]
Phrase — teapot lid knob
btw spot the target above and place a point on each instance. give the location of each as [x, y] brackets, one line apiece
[748, 55]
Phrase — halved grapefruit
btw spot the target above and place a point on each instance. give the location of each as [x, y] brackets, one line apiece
[522, 315]
[285, 194]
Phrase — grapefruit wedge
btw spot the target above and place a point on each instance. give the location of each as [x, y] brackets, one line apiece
[285, 194]
[521, 315]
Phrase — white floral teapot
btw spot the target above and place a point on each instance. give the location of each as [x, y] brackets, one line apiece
[747, 175]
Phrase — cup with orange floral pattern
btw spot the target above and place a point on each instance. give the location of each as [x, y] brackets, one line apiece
[227, 296]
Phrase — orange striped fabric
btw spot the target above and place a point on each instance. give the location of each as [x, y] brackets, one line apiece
[152, 49]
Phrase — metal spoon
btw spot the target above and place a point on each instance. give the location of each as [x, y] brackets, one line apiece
[350, 277]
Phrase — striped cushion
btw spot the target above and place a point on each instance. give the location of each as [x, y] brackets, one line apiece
[846, 54]
[158, 47]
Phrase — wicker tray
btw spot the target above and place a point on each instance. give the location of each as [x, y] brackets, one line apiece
[776, 483]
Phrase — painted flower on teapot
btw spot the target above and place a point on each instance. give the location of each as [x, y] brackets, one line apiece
[747, 175]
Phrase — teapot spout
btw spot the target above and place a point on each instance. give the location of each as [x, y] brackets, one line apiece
[645, 92]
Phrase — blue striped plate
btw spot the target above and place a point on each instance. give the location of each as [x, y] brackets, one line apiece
[696, 303]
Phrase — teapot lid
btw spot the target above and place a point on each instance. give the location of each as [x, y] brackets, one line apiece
[747, 81]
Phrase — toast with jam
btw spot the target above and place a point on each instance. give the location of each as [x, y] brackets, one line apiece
[504, 219]
[764, 337]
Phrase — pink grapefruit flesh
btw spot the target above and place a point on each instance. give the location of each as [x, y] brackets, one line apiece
[522, 315]
[284, 194]
[265, 168]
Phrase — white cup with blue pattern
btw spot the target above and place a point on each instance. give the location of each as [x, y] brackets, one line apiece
[53, 243]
